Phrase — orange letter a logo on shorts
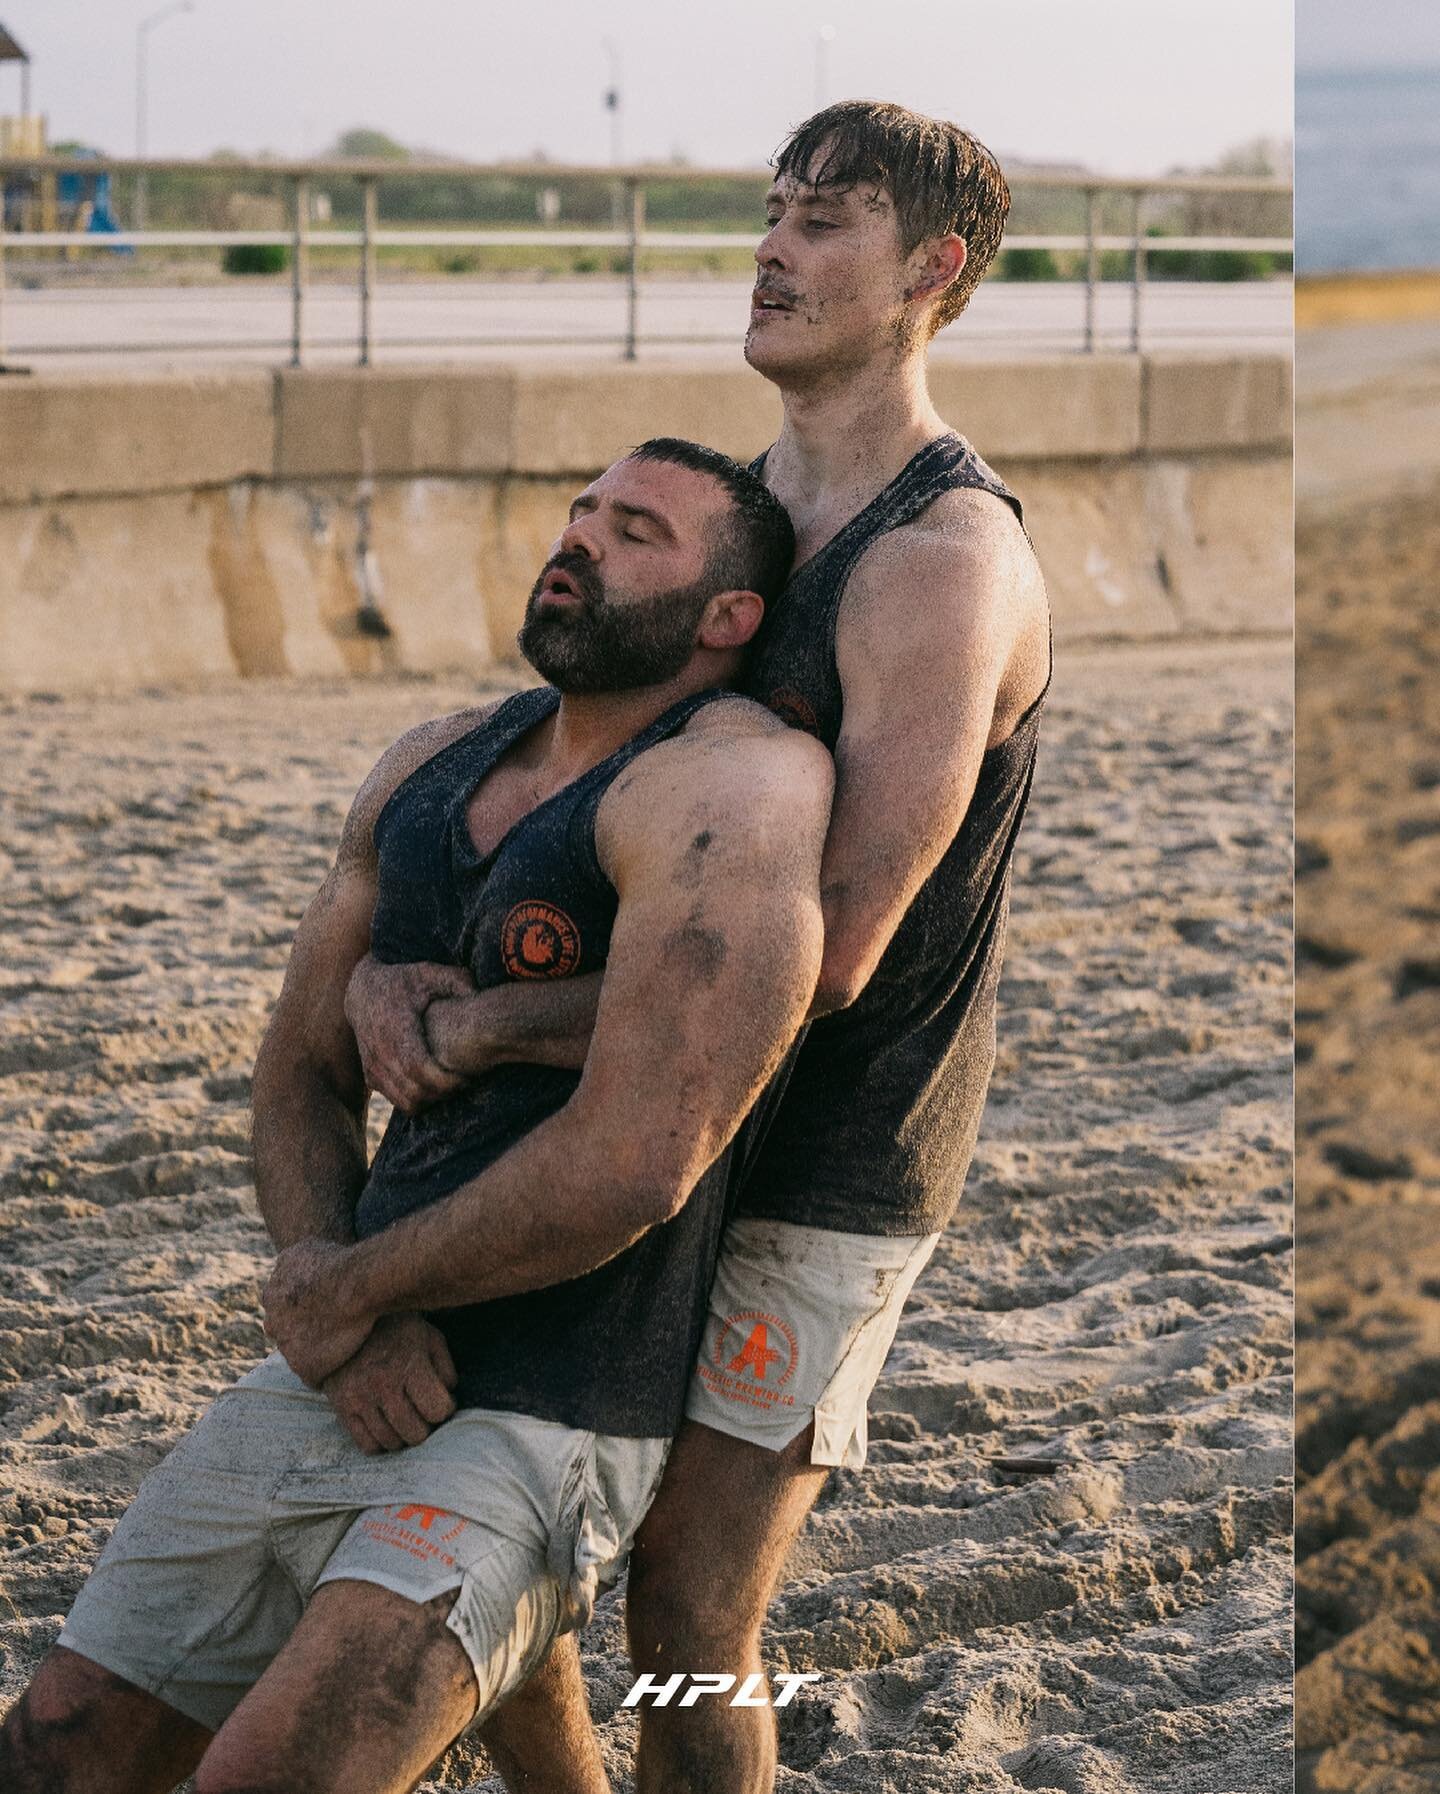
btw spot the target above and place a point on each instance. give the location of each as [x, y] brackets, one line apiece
[756, 1354]
[427, 1514]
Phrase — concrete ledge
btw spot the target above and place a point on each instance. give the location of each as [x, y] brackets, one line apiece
[577, 421]
[64, 436]
[1235, 402]
[76, 436]
[1074, 405]
[111, 593]
[335, 423]
[155, 529]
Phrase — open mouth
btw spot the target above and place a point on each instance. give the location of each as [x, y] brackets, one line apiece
[560, 586]
[766, 304]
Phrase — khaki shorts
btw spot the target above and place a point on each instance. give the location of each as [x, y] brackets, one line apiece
[801, 1320]
[211, 1566]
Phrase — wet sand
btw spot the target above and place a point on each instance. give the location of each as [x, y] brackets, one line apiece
[1114, 1292]
[1368, 1046]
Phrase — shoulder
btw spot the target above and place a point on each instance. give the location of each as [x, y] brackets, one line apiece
[729, 744]
[742, 744]
[735, 774]
[968, 543]
[963, 570]
[402, 758]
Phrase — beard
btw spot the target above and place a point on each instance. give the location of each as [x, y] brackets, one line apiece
[596, 645]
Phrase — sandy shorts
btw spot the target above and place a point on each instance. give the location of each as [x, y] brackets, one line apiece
[801, 1320]
[210, 1568]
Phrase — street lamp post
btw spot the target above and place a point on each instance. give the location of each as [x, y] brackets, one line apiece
[824, 37]
[612, 101]
[612, 106]
[142, 48]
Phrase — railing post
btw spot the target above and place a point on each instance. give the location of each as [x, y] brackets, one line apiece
[1137, 273]
[369, 213]
[1092, 264]
[636, 195]
[299, 271]
[2, 275]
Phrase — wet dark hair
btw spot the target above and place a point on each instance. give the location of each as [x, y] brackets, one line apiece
[943, 181]
[755, 549]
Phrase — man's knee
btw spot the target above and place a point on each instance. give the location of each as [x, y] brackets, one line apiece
[76, 1713]
[680, 1620]
[249, 1769]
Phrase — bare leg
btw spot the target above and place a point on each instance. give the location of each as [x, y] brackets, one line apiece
[370, 1689]
[80, 1729]
[704, 1567]
[541, 1740]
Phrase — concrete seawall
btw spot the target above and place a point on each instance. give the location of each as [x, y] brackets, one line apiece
[172, 527]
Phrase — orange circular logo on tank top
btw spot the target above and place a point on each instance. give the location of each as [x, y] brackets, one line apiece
[791, 708]
[539, 941]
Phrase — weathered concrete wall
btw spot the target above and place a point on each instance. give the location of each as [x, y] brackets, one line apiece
[174, 527]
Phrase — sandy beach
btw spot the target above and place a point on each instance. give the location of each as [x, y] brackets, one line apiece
[1368, 1048]
[1114, 1292]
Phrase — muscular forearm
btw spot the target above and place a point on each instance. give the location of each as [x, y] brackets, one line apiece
[550, 1209]
[540, 1022]
[856, 936]
[309, 1154]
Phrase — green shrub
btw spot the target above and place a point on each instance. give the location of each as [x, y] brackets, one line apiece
[256, 258]
[1211, 264]
[1028, 264]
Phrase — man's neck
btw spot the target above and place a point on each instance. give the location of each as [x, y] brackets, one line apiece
[591, 726]
[844, 440]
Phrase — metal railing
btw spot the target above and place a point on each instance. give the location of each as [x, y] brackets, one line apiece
[632, 241]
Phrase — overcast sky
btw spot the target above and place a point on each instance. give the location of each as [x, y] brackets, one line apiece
[1378, 34]
[1124, 86]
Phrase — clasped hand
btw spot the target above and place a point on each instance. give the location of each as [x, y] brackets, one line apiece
[385, 1006]
[306, 1313]
[389, 1377]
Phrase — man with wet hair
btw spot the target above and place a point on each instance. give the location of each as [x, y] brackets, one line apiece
[515, 1288]
[913, 639]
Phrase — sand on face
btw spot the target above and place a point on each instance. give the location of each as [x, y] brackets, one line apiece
[1114, 1290]
[1368, 1151]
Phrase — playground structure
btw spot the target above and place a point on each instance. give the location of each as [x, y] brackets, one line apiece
[29, 199]
[43, 200]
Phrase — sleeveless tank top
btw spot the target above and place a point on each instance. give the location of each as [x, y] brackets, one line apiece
[609, 1351]
[875, 1129]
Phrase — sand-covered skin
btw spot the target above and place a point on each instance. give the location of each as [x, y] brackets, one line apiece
[1115, 1290]
[1368, 1165]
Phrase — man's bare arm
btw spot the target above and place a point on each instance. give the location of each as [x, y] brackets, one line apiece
[712, 964]
[308, 1098]
[308, 1118]
[422, 1029]
[546, 1022]
[926, 632]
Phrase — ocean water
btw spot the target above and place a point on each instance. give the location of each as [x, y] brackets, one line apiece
[1367, 169]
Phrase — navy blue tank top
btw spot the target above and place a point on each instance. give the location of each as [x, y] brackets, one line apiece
[610, 1351]
[875, 1129]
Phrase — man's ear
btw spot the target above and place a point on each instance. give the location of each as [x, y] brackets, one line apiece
[730, 619]
[937, 263]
